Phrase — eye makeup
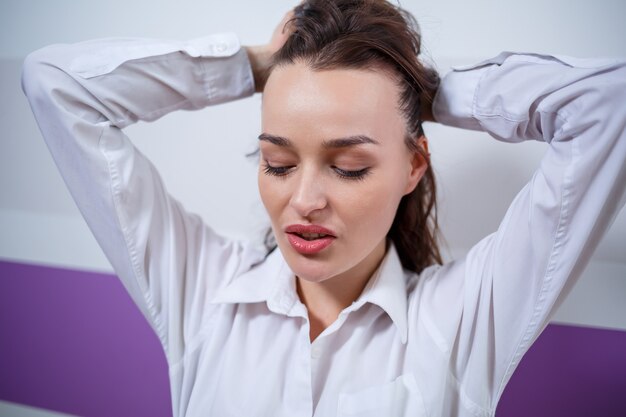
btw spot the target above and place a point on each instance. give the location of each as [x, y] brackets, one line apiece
[283, 171]
[278, 171]
[352, 175]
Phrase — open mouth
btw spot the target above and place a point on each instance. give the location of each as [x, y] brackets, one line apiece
[311, 236]
[306, 244]
[309, 239]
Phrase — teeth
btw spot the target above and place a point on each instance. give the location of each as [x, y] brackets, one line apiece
[312, 236]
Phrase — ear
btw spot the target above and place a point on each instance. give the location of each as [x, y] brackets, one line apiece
[419, 165]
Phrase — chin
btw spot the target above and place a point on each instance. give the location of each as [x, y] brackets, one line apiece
[310, 268]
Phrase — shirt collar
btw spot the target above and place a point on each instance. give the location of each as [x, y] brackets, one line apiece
[387, 289]
[273, 281]
[258, 284]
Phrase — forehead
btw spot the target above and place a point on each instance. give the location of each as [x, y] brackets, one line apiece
[301, 103]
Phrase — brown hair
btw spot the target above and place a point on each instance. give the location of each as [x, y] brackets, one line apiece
[374, 34]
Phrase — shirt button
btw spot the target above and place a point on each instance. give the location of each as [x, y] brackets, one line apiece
[316, 352]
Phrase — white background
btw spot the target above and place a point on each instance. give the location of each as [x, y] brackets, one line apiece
[201, 155]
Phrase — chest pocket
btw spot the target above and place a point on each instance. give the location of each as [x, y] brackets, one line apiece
[398, 398]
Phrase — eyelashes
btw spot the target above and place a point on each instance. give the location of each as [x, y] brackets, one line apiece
[276, 171]
[283, 171]
[352, 175]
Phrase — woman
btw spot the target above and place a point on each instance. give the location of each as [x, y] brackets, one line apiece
[352, 315]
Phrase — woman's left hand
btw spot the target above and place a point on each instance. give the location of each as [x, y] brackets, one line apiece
[261, 55]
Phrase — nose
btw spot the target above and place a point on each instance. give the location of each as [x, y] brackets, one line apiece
[309, 195]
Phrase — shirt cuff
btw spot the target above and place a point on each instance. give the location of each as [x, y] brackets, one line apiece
[228, 78]
[454, 101]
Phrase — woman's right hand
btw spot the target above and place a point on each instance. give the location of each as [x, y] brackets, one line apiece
[260, 55]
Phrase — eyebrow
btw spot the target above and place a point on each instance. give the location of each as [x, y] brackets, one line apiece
[328, 144]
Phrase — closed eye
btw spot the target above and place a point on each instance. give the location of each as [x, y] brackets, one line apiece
[276, 171]
[351, 175]
[282, 171]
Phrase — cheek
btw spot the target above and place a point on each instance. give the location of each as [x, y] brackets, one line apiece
[272, 194]
[371, 209]
[265, 191]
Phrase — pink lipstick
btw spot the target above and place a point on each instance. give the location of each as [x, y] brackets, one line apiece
[309, 239]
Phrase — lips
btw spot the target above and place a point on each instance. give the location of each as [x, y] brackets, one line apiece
[312, 229]
[309, 239]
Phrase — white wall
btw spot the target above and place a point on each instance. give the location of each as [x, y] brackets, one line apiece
[201, 154]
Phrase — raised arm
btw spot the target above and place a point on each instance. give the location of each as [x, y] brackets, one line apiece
[82, 95]
[511, 282]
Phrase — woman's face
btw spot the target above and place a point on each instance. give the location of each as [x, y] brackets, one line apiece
[333, 155]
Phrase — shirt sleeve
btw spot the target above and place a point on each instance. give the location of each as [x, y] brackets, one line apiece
[82, 95]
[511, 282]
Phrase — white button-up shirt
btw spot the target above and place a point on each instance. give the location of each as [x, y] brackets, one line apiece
[235, 334]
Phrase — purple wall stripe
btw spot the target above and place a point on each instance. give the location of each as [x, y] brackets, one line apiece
[569, 371]
[73, 341]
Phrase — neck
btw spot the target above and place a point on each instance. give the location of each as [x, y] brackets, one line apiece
[326, 299]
